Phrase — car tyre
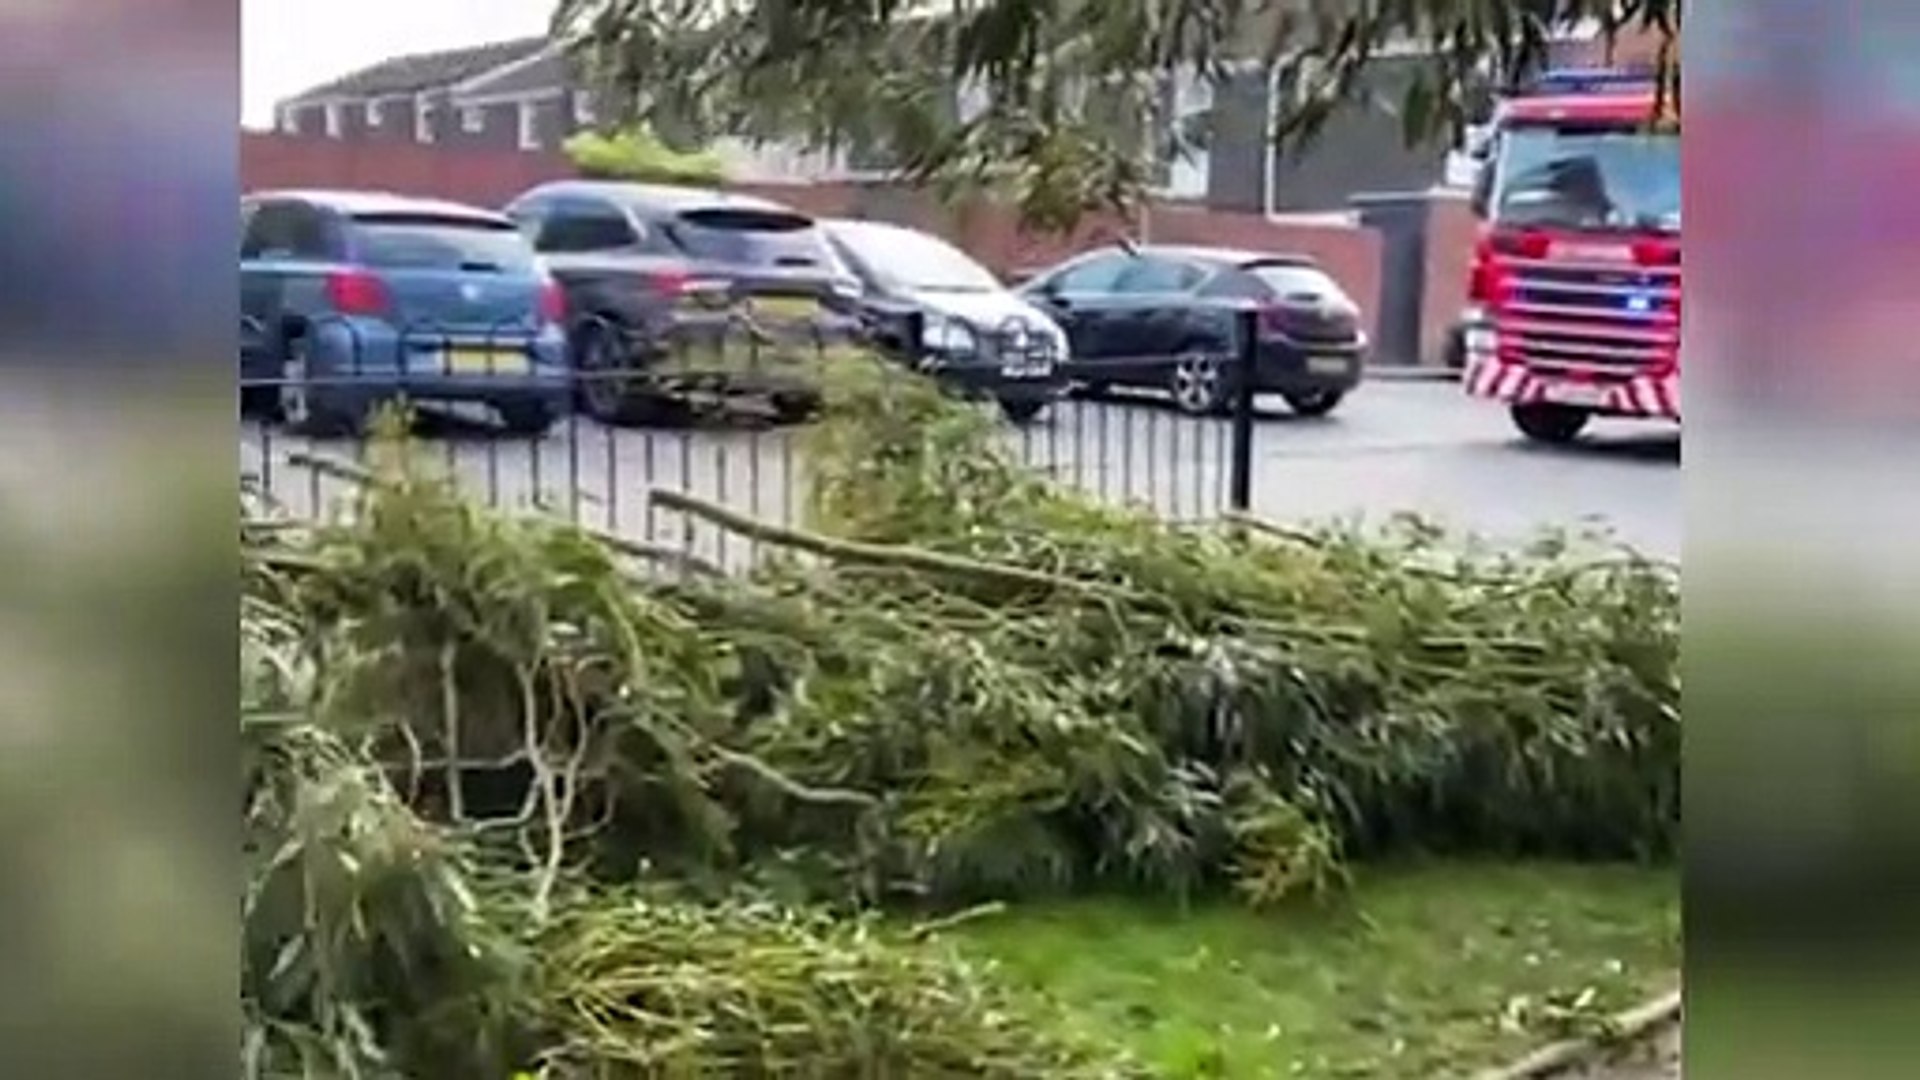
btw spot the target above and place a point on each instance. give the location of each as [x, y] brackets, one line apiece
[1313, 403]
[1554, 425]
[599, 351]
[1198, 383]
[1023, 411]
[300, 409]
[795, 406]
[531, 419]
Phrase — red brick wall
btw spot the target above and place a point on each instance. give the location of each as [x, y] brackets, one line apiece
[491, 177]
[1450, 235]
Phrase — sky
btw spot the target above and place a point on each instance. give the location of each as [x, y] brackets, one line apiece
[289, 45]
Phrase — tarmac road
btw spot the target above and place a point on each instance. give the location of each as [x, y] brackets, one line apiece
[1393, 446]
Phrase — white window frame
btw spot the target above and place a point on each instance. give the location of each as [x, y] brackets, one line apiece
[473, 119]
[583, 111]
[529, 115]
[422, 120]
[336, 123]
[290, 119]
[376, 113]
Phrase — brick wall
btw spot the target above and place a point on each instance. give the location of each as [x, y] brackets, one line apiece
[492, 177]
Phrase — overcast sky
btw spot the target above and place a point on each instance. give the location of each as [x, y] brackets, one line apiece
[289, 45]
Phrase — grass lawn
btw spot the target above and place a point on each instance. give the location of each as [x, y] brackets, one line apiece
[1422, 972]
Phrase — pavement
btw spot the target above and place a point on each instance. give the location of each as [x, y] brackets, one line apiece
[1394, 445]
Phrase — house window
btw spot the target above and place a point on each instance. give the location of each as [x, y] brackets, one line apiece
[422, 120]
[290, 119]
[529, 126]
[375, 114]
[333, 120]
[473, 120]
[583, 115]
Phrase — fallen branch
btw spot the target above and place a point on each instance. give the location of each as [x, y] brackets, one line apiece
[676, 558]
[854, 551]
[1563, 1057]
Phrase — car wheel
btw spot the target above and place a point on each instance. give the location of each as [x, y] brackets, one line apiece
[795, 406]
[1556, 425]
[300, 409]
[1313, 402]
[1198, 383]
[528, 418]
[605, 389]
[1024, 411]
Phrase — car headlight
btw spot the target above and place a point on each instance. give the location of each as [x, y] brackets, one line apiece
[948, 335]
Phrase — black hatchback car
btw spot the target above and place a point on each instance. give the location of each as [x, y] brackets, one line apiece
[648, 268]
[1162, 317]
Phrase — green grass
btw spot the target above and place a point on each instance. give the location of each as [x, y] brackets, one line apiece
[1422, 972]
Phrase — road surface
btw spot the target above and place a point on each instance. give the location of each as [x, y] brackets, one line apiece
[1393, 446]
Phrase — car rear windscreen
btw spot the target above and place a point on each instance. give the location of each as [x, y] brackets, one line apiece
[751, 237]
[426, 242]
[1295, 279]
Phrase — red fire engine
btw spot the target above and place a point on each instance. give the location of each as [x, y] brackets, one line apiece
[1575, 298]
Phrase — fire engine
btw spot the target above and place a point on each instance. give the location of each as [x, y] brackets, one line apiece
[1574, 309]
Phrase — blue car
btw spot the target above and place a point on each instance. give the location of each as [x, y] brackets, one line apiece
[349, 299]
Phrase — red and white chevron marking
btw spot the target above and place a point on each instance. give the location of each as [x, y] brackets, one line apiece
[1656, 396]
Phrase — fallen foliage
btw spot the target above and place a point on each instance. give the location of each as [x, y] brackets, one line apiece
[956, 684]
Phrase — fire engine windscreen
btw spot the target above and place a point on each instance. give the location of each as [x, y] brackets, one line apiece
[1604, 179]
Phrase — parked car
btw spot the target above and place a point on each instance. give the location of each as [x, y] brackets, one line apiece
[351, 298]
[1163, 317]
[950, 316]
[648, 268]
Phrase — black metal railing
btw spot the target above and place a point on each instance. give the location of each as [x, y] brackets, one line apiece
[719, 415]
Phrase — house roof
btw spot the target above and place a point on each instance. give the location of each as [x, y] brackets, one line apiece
[425, 71]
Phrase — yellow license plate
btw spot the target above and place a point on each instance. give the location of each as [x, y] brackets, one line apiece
[486, 362]
[785, 307]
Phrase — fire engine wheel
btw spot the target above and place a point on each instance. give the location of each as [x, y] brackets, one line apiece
[1557, 425]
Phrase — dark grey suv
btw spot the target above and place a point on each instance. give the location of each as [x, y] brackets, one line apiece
[653, 274]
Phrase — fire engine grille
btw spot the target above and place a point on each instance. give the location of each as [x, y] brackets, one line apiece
[1598, 318]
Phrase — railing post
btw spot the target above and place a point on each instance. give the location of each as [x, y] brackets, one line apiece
[1245, 345]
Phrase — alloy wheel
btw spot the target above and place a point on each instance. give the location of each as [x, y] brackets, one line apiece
[1197, 384]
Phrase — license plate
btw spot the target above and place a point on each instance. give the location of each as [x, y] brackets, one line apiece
[1026, 368]
[487, 362]
[1328, 365]
[785, 307]
[1571, 393]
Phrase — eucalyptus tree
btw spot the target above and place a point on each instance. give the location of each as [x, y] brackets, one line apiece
[1060, 105]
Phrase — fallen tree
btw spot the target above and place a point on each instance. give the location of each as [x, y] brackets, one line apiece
[955, 684]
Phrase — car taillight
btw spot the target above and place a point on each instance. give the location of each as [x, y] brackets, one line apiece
[668, 283]
[553, 303]
[356, 292]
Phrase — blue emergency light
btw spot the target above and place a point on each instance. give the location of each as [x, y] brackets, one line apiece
[1589, 81]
